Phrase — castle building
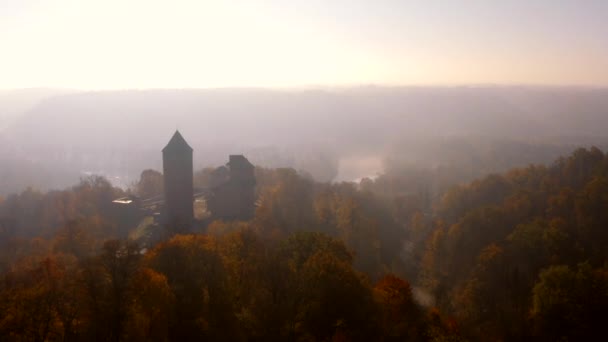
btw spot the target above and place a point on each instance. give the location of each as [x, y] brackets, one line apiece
[234, 191]
[178, 182]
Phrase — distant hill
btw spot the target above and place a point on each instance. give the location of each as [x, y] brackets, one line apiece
[119, 133]
[14, 103]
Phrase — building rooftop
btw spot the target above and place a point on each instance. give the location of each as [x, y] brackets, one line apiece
[238, 161]
[177, 143]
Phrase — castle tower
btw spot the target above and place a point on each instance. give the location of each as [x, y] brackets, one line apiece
[178, 181]
[243, 179]
[241, 170]
[234, 199]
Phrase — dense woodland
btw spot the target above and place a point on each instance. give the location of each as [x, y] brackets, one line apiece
[406, 256]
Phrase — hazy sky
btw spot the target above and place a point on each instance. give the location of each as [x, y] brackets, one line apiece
[102, 44]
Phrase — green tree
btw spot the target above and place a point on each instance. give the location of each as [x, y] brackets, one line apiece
[569, 304]
[150, 184]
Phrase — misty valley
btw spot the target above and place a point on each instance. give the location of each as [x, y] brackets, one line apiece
[342, 214]
[332, 171]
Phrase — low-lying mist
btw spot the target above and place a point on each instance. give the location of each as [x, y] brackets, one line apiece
[49, 139]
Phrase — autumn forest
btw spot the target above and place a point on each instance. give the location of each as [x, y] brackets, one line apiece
[518, 255]
[331, 171]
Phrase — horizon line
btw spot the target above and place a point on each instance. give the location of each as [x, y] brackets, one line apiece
[317, 87]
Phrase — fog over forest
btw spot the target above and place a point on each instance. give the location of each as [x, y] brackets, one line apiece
[52, 137]
[264, 170]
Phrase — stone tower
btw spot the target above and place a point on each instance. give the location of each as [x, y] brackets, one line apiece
[234, 198]
[178, 181]
[243, 177]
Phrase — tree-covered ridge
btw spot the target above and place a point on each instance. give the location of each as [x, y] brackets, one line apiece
[314, 263]
[523, 254]
[514, 256]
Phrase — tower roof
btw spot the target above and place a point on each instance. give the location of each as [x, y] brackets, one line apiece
[177, 143]
[238, 161]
